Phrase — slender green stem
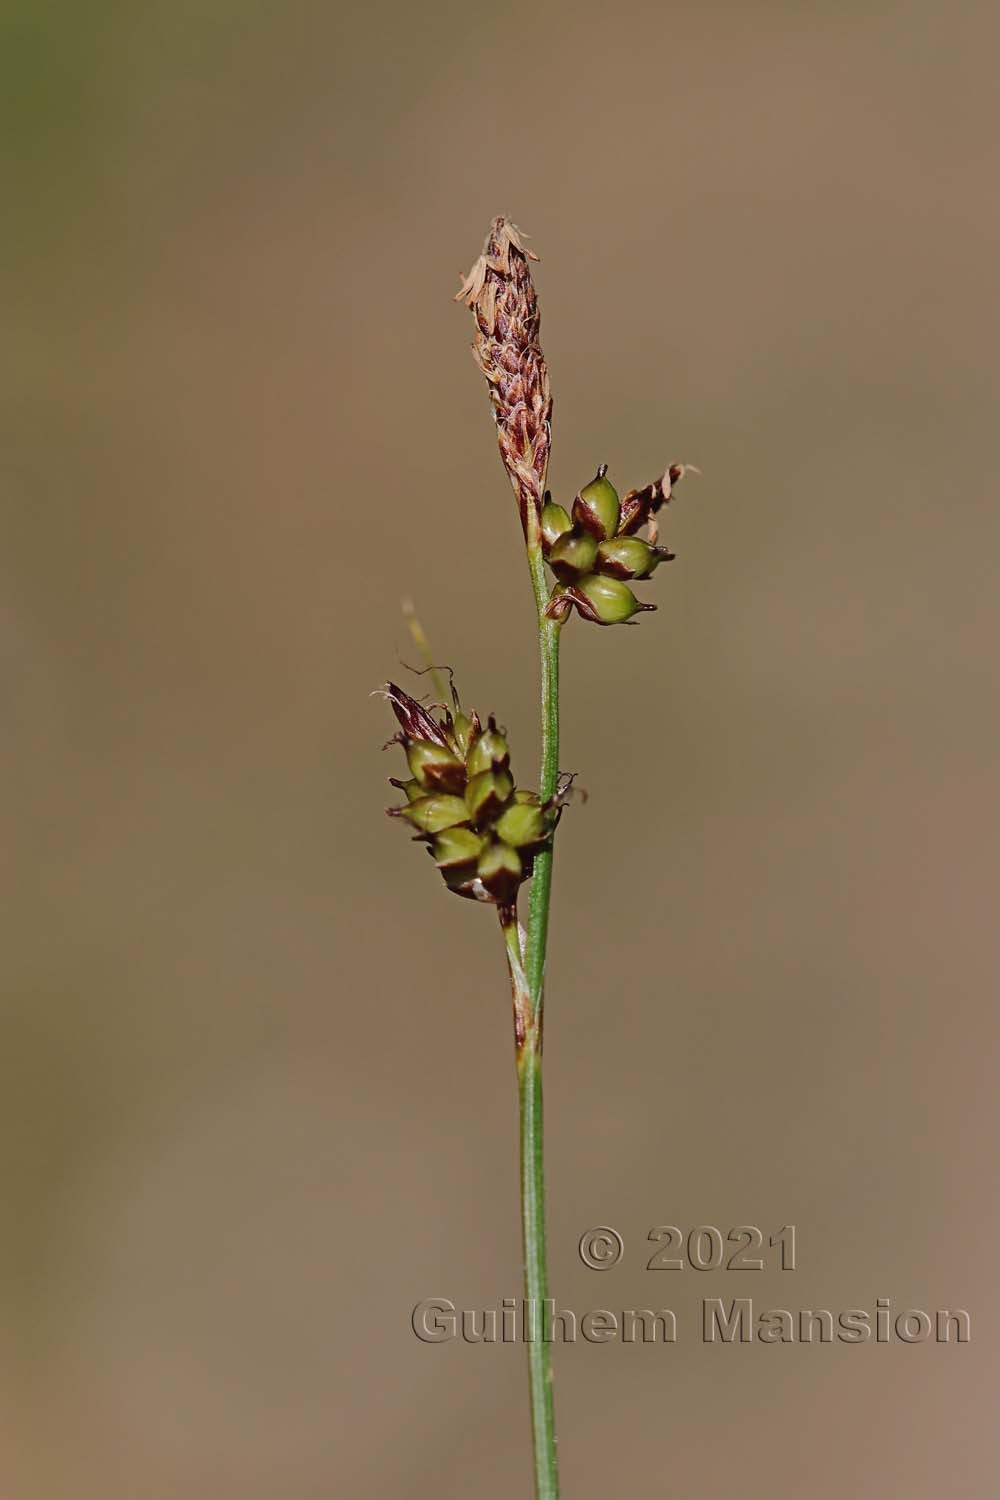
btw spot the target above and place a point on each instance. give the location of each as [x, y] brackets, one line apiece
[529, 1060]
[541, 881]
[536, 1277]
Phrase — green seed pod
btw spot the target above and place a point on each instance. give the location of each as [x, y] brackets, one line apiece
[500, 871]
[555, 522]
[435, 813]
[629, 557]
[487, 795]
[596, 507]
[523, 825]
[412, 789]
[490, 752]
[457, 848]
[434, 767]
[525, 798]
[573, 555]
[465, 730]
[605, 601]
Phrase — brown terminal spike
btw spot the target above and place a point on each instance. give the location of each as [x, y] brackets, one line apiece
[500, 291]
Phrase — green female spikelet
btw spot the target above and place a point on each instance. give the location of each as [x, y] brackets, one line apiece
[595, 553]
[480, 829]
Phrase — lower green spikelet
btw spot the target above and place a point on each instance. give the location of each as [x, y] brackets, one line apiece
[481, 830]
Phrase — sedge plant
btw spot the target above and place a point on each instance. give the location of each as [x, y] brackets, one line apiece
[487, 835]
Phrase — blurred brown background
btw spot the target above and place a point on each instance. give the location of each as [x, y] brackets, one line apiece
[258, 1089]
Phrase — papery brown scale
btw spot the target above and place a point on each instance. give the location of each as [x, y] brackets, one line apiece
[414, 719]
